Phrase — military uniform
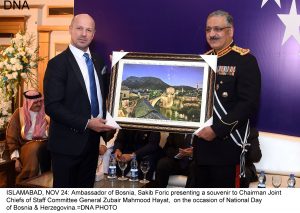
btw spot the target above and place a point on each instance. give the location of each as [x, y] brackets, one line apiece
[237, 92]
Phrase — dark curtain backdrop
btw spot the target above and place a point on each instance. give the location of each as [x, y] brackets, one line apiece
[177, 26]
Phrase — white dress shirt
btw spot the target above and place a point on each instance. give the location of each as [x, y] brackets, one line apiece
[80, 59]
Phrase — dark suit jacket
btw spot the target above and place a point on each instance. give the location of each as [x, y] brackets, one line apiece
[140, 142]
[67, 103]
[176, 141]
[171, 148]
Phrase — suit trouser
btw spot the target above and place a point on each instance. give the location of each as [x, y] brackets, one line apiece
[166, 167]
[76, 171]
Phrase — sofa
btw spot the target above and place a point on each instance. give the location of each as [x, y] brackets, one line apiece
[280, 156]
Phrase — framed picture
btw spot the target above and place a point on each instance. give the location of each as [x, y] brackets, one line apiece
[161, 92]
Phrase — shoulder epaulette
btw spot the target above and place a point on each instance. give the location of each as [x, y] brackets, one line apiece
[209, 52]
[240, 50]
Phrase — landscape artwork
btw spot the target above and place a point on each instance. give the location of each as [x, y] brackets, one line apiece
[160, 92]
[163, 92]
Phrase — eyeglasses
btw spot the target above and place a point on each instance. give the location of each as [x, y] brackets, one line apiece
[215, 29]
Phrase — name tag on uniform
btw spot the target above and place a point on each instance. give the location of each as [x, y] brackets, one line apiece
[226, 70]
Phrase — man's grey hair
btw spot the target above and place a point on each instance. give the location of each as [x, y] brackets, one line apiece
[228, 17]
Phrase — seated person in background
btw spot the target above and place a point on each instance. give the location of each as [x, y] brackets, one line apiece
[105, 149]
[178, 157]
[26, 137]
[253, 155]
[144, 145]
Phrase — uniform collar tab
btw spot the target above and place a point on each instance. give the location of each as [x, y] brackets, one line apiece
[225, 50]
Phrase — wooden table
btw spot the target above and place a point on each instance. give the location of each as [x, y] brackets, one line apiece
[46, 181]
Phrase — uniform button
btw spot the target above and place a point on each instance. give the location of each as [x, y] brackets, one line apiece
[221, 82]
[225, 94]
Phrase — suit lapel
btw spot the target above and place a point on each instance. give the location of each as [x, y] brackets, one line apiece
[99, 70]
[98, 67]
[76, 69]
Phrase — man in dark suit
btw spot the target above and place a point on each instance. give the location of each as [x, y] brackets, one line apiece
[178, 152]
[220, 149]
[139, 144]
[75, 101]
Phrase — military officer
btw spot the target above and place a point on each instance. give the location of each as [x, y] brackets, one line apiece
[219, 149]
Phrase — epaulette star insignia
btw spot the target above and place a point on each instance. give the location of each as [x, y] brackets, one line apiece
[240, 50]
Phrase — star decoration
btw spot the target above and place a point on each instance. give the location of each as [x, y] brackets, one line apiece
[292, 24]
[265, 1]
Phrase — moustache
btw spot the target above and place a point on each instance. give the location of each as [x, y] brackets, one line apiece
[213, 38]
[82, 38]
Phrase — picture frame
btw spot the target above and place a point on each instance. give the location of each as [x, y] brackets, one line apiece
[161, 92]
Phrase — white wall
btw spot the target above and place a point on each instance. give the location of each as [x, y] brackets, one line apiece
[40, 17]
[32, 15]
[58, 37]
[55, 21]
